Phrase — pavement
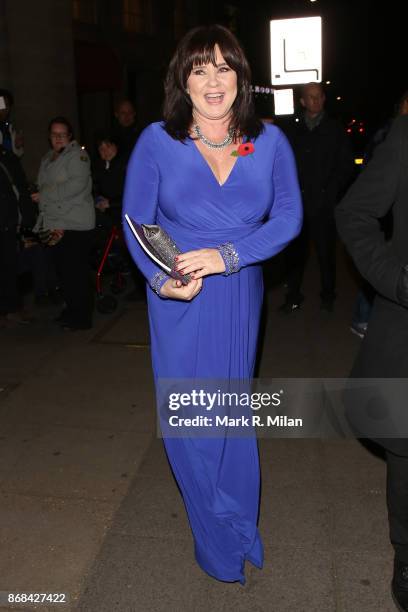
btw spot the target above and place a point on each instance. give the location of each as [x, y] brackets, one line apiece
[88, 505]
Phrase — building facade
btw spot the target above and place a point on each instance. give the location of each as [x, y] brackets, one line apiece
[78, 57]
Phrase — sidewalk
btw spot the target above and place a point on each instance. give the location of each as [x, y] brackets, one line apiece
[89, 507]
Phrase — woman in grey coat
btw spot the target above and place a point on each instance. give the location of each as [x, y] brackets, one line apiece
[66, 211]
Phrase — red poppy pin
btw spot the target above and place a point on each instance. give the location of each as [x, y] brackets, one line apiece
[246, 148]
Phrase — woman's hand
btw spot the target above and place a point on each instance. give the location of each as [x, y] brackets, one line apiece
[19, 140]
[200, 262]
[175, 289]
[55, 236]
[35, 197]
[102, 204]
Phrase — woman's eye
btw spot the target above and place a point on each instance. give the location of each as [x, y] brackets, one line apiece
[198, 71]
[225, 69]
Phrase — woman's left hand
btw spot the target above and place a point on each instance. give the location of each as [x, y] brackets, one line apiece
[200, 262]
[55, 236]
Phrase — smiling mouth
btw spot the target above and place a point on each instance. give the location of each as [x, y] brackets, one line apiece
[215, 98]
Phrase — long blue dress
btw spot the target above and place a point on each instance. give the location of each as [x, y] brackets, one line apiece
[258, 210]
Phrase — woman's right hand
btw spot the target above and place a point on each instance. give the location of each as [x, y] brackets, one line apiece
[102, 204]
[174, 289]
[35, 197]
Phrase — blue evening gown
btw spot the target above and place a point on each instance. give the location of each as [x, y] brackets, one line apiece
[258, 209]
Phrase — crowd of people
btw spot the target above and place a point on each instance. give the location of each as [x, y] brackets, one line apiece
[70, 182]
[47, 229]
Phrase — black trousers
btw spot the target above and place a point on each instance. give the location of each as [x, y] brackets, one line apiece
[320, 230]
[72, 260]
[397, 502]
[9, 298]
[37, 260]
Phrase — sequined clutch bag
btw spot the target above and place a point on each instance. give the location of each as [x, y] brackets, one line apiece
[159, 246]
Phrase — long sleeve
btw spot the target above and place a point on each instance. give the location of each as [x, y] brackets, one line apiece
[285, 218]
[19, 151]
[78, 178]
[368, 200]
[27, 207]
[109, 182]
[140, 203]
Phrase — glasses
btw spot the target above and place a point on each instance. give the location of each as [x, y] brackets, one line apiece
[59, 134]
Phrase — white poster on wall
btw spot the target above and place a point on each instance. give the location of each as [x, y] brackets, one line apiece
[296, 51]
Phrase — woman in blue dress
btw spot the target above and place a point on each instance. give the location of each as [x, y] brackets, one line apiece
[224, 186]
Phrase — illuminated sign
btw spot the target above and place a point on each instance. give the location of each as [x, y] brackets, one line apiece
[296, 51]
[284, 102]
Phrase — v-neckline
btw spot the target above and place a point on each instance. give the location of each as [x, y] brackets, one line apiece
[209, 167]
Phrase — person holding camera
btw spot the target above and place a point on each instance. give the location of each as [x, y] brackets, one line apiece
[15, 209]
[10, 138]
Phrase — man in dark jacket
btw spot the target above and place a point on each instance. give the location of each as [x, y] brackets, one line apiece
[383, 187]
[16, 208]
[325, 166]
[125, 130]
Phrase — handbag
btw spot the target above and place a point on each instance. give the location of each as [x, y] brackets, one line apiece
[47, 237]
[159, 246]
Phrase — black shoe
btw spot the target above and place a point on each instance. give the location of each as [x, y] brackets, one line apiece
[399, 585]
[290, 306]
[359, 329]
[62, 318]
[41, 300]
[327, 305]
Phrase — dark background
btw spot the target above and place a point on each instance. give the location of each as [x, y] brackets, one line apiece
[78, 57]
[364, 47]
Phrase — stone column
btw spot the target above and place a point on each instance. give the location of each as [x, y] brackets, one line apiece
[4, 56]
[40, 46]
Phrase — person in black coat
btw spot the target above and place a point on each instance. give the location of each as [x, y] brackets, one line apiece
[383, 187]
[125, 130]
[108, 174]
[16, 209]
[325, 166]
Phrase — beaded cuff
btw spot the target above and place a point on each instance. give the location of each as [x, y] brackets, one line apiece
[230, 257]
[158, 280]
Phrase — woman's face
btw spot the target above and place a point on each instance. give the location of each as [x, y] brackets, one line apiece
[212, 89]
[107, 150]
[59, 136]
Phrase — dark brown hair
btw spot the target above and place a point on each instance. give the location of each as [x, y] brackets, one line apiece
[197, 48]
[62, 121]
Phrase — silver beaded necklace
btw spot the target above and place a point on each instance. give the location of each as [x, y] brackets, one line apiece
[215, 145]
